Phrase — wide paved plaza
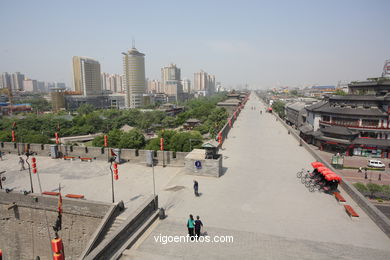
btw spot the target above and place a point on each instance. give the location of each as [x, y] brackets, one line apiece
[261, 203]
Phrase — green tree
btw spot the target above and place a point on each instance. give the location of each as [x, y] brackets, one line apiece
[153, 144]
[133, 139]
[168, 122]
[180, 142]
[360, 187]
[294, 92]
[85, 109]
[278, 107]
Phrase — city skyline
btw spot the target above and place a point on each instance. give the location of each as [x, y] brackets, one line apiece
[256, 43]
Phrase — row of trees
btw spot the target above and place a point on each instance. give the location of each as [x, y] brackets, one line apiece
[40, 128]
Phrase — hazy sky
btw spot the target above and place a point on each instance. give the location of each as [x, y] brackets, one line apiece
[262, 43]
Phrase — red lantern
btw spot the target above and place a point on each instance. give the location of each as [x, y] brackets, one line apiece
[58, 256]
[13, 136]
[56, 245]
[220, 138]
[116, 176]
[161, 144]
[105, 141]
[57, 139]
[34, 165]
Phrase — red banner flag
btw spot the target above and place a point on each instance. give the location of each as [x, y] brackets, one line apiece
[13, 136]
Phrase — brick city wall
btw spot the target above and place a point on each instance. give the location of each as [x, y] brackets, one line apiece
[127, 155]
[24, 233]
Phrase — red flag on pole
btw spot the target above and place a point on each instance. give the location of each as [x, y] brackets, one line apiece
[13, 136]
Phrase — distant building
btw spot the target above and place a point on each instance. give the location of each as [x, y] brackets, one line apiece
[6, 81]
[171, 82]
[186, 85]
[17, 81]
[134, 77]
[111, 82]
[30, 85]
[386, 69]
[154, 86]
[86, 76]
[57, 99]
[320, 91]
[357, 124]
[204, 82]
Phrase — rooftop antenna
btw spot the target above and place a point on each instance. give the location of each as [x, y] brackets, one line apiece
[133, 43]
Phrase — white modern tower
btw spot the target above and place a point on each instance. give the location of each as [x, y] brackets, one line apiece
[134, 77]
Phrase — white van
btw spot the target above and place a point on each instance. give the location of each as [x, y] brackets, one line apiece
[375, 164]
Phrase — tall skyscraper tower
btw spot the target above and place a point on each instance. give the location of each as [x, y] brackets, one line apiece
[86, 75]
[134, 77]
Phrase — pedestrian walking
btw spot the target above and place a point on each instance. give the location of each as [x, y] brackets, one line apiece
[365, 175]
[191, 226]
[360, 170]
[21, 162]
[379, 177]
[198, 227]
[196, 187]
[1, 155]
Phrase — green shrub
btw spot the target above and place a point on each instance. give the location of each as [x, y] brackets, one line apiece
[360, 187]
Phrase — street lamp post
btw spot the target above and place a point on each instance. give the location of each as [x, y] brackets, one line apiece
[112, 179]
[29, 171]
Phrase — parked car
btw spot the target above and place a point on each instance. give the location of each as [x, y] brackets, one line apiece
[375, 164]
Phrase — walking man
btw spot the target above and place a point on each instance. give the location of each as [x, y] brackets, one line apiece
[379, 177]
[198, 226]
[21, 162]
[196, 186]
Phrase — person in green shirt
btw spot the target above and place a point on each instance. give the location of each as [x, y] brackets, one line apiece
[191, 226]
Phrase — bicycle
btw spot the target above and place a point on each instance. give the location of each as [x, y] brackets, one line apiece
[299, 174]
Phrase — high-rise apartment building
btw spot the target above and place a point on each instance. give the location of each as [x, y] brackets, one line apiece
[169, 73]
[6, 81]
[30, 85]
[111, 82]
[186, 85]
[171, 81]
[17, 81]
[134, 77]
[86, 75]
[204, 83]
[154, 86]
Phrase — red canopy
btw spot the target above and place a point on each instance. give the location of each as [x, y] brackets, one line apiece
[317, 164]
[322, 168]
[333, 177]
[327, 172]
